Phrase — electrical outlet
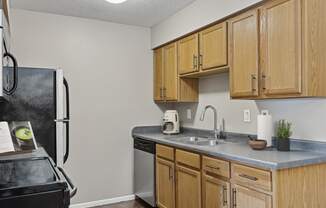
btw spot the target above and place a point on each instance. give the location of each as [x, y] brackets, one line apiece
[189, 116]
[246, 116]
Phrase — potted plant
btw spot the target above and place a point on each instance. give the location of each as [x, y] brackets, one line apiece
[283, 135]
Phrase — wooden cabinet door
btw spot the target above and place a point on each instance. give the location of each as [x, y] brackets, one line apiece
[165, 189]
[188, 188]
[216, 193]
[158, 74]
[213, 47]
[281, 47]
[170, 89]
[244, 54]
[246, 198]
[188, 54]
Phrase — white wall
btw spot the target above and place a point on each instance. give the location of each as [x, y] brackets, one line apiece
[194, 16]
[109, 68]
[307, 115]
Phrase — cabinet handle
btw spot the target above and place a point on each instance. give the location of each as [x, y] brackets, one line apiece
[225, 200]
[194, 59]
[200, 60]
[234, 197]
[170, 173]
[252, 178]
[161, 92]
[264, 81]
[253, 82]
[212, 167]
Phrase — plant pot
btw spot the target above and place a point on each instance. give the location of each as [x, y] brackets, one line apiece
[283, 144]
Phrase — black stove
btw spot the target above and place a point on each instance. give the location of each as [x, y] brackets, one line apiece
[34, 183]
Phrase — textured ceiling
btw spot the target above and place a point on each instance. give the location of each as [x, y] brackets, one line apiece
[133, 12]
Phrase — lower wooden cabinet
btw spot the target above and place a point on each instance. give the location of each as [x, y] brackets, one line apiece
[215, 193]
[246, 198]
[165, 188]
[190, 180]
[188, 187]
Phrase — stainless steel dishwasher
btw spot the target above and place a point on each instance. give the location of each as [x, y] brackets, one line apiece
[144, 170]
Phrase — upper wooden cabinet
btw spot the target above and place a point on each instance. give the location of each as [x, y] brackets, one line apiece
[158, 74]
[275, 49]
[188, 54]
[168, 87]
[204, 53]
[213, 47]
[244, 54]
[281, 48]
[291, 44]
[170, 92]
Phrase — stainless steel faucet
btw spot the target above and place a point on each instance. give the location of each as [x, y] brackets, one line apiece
[202, 117]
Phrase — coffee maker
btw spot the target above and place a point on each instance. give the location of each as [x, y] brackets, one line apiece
[171, 124]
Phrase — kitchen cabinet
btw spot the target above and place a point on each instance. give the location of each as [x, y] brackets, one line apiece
[189, 180]
[188, 187]
[188, 54]
[168, 86]
[244, 56]
[215, 193]
[165, 188]
[204, 53]
[281, 55]
[165, 177]
[246, 198]
[215, 183]
[170, 72]
[158, 74]
[213, 47]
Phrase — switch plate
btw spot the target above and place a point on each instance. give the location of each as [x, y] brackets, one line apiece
[189, 116]
[246, 116]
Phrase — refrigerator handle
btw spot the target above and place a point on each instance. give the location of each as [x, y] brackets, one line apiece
[66, 120]
[15, 79]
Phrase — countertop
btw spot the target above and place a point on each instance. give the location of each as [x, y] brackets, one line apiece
[239, 151]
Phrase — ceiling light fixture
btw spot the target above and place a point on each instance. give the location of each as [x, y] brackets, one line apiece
[116, 1]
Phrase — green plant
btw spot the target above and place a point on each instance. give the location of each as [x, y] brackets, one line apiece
[284, 129]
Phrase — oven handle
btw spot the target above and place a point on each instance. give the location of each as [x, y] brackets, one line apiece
[73, 187]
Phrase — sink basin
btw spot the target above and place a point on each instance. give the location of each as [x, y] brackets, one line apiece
[201, 141]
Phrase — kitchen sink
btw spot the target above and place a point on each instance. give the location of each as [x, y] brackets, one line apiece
[200, 141]
[203, 141]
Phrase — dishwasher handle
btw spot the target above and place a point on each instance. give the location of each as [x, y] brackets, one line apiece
[144, 145]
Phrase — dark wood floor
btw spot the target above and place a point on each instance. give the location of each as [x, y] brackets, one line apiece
[129, 204]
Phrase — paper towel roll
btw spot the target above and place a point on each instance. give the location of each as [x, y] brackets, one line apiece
[265, 128]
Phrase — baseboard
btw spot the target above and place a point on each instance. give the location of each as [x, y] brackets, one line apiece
[103, 202]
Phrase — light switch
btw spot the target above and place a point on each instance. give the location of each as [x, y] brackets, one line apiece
[246, 115]
[189, 116]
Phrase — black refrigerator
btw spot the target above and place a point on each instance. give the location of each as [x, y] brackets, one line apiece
[41, 97]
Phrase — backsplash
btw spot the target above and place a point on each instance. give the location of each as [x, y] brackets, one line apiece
[307, 115]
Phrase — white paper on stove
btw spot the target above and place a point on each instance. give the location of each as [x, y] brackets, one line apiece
[6, 144]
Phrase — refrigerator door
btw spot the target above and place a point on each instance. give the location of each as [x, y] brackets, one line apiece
[35, 100]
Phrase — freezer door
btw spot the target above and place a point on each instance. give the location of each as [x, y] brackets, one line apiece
[35, 100]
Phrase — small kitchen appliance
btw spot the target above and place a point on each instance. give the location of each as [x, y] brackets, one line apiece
[171, 123]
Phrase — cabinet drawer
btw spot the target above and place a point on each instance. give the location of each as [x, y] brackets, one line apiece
[251, 177]
[216, 166]
[165, 152]
[187, 158]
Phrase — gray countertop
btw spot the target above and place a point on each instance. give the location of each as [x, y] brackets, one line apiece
[270, 159]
